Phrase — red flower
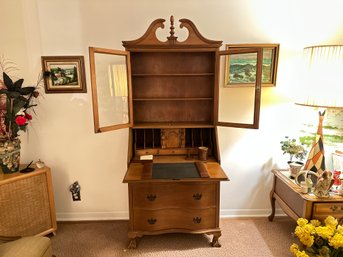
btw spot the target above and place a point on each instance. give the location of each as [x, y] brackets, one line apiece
[28, 116]
[20, 120]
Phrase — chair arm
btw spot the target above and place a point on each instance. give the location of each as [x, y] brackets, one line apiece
[8, 238]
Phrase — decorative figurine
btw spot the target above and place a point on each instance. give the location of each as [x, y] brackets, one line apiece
[309, 183]
[324, 184]
[40, 164]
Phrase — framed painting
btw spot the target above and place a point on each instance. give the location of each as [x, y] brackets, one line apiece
[240, 69]
[66, 74]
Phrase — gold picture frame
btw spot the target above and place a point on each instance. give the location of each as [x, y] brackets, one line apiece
[66, 74]
[239, 68]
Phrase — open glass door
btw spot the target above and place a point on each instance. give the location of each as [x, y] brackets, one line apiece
[111, 89]
[239, 87]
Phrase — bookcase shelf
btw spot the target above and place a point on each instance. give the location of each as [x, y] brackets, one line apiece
[175, 99]
[172, 74]
[142, 125]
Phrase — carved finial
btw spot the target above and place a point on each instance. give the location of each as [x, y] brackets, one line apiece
[172, 32]
[172, 38]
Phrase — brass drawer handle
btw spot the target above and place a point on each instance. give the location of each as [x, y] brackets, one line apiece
[197, 220]
[152, 221]
[151, 197]
[335, 208]
[197, 196]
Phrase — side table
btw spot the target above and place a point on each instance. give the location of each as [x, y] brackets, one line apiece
[27, 203]
[296, 204]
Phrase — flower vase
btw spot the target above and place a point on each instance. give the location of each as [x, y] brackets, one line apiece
[10, 155]
[295, 168]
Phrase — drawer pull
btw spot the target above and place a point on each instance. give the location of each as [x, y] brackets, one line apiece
[151, 198]
[335, 208]
[152, 221]
[197, 196]
[197, 220]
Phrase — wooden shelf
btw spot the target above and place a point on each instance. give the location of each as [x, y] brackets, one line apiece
[176, 159]
[173, 125]
[175, 99]
[171, 74]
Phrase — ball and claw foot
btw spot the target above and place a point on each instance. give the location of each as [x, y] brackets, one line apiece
[215, 242]
[132, 244]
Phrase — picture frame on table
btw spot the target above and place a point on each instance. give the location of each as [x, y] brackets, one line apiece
[66, 74]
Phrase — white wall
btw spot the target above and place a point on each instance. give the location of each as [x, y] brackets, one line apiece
[61, 133]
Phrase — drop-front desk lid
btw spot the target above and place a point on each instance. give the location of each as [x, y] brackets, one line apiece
[145, 171]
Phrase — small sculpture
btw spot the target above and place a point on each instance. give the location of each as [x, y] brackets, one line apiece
[40, 164]
[324, 184]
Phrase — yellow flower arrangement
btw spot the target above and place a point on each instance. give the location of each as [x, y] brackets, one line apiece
[317, 239]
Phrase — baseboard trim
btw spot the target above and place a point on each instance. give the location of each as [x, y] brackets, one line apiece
[224, 213]
[237, 213]
[85, 216]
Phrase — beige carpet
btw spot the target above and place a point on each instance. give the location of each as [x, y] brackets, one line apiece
[240, 238]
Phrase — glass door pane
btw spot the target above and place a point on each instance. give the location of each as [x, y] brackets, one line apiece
[239, 87]
[111, 89]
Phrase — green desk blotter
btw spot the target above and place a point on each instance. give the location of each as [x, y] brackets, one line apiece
[175, 170]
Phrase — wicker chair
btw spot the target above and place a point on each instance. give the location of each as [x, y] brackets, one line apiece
[31, 246]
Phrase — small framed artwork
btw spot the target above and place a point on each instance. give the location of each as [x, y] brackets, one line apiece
[66, 74]
[240, 69]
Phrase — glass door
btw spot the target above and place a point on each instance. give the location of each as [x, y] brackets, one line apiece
[239, 90]
[111, 89]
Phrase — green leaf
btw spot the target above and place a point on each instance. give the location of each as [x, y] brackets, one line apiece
[8, 82]
[23, 127]
[18, 83]
[26, 90]
[13, 94]
[21, 98]
[17, 106]
[4, 91]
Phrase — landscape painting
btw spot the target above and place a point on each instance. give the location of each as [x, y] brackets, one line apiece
[65, 74]
[240, 69]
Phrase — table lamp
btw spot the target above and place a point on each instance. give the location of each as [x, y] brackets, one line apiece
[323, 77]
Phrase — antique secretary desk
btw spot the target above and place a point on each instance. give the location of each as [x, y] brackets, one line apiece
[169, 95]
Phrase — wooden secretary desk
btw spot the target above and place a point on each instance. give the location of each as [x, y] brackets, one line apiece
[169, 94]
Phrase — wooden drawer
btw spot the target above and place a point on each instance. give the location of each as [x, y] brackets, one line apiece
[174, 195]
[322, 210]
[187, 219]
[146, 152]
[173, 151]
[167, 151]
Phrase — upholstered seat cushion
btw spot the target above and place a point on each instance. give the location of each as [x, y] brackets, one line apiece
[27, 247]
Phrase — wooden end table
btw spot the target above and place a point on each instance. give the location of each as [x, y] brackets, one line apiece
[296, 204]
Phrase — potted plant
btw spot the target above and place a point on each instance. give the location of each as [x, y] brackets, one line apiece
[15, 101]
[295, 150]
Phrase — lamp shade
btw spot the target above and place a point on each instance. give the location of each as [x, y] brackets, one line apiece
[323, 77]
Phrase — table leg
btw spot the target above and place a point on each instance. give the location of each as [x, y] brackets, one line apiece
[272, 201]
